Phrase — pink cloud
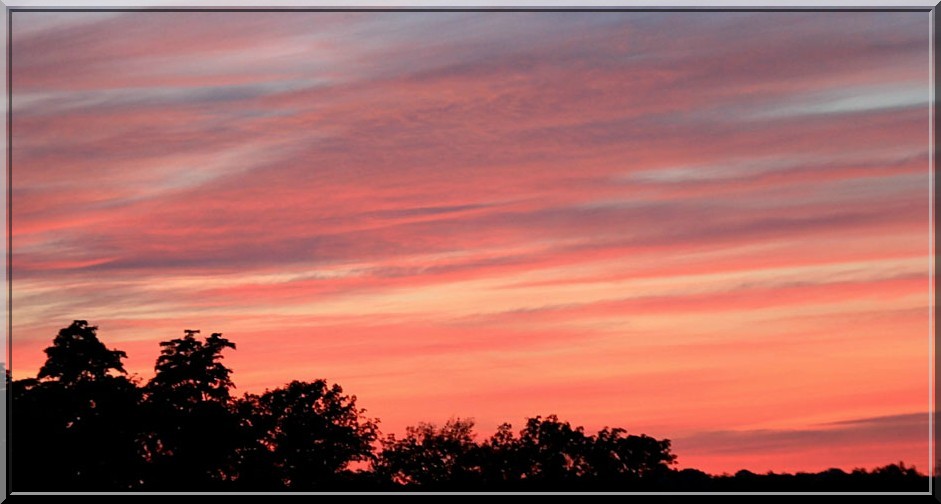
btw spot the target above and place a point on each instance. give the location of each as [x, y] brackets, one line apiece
[406, 203]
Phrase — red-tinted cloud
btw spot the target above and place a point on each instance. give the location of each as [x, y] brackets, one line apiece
[705, 226]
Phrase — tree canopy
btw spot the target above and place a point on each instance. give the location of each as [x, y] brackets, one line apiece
[82, 425]
[309, 432]
[77, 354]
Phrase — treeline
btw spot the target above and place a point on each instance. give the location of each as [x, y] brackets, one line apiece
[83, 425]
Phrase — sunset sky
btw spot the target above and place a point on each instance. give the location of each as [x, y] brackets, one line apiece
[707, 227]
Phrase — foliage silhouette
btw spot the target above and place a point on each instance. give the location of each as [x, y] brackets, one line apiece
[191, 431]
[188, 372]
[614, 456]
[502, 463]
[82, 424]
[75, 425]
[307, 433]
[554, 451]
[548, 454]
[430, 457]
[76, 354]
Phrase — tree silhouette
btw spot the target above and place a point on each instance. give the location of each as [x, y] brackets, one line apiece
[614, 457]
[76, 425]
[431, 457]
[77, 354]
[308, 433]
[502, 462]
[547, 454]
[188, 371]
[193, 430]
[81, 424]
[554, 450]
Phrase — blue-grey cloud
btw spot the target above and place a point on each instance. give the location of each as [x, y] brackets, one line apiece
[912, 427]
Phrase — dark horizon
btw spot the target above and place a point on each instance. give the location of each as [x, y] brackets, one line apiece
[82, 425]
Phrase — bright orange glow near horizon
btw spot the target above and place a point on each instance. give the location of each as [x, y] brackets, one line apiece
[710, 227]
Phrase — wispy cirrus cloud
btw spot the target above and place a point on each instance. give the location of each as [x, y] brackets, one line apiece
[644, 218]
